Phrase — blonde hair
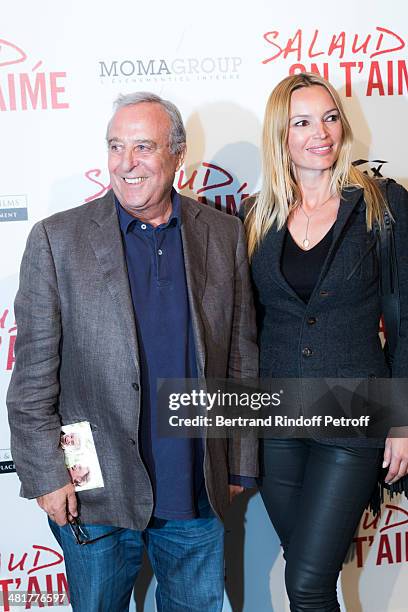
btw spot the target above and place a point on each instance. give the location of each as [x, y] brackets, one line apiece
[280, 192]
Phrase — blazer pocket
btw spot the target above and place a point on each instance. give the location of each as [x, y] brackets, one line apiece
[74, 420]
[360, 261]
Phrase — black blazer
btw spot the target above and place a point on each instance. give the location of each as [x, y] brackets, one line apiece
[335, 334]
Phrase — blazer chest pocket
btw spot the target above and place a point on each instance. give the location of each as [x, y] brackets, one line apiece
[360, 261]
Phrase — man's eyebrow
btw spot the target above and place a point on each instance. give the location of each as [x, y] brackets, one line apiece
[136, 141]
[145, 141]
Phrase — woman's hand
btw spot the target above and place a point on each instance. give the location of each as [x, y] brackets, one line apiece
[396, 454]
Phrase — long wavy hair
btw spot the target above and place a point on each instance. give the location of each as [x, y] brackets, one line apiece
[280, 193]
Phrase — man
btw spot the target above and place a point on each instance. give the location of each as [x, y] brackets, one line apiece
[79, 474]
[138, 285]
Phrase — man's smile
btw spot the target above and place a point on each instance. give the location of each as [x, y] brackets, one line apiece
[135, 181]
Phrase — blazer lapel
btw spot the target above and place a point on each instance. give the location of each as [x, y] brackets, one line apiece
[106, 242]
[194, 235]
[275, 256]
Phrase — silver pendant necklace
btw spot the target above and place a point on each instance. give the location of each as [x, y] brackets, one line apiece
[306, 241]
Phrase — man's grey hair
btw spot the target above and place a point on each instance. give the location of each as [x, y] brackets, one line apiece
[177, 137]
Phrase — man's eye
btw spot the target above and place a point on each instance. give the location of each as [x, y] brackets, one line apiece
[115, 147]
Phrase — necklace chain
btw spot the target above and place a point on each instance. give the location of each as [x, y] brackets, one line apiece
[306, 241]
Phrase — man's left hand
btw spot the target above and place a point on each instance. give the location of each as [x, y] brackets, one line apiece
[234, 490]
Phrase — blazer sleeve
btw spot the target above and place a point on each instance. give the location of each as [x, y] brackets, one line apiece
[243, 357]
[32, 397]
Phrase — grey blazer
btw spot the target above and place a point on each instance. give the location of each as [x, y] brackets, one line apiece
[77, 352]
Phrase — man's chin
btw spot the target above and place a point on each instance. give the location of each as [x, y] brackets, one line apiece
[133, 208]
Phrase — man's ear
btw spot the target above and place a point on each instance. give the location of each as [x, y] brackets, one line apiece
[180, 158]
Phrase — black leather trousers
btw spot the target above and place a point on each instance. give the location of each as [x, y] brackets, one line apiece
[315, 495]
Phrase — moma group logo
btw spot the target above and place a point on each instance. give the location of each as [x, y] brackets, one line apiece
[6, 461]
[25, 85]
[13, 208]
[149, 70]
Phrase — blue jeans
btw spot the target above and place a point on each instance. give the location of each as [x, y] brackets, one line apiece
[187, 557]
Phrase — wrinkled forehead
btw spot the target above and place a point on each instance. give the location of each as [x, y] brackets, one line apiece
[147, 120]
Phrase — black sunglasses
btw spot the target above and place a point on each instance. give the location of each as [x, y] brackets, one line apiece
[82, 537]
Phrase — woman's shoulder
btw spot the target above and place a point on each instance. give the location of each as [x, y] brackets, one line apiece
[394, 191]
[391, 190]
[397, 198]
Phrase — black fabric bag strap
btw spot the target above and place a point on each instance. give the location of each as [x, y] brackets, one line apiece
[388, 282]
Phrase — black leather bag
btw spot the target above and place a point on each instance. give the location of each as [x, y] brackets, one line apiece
[388, 284]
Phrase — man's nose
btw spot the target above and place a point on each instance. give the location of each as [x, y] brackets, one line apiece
[130, 159]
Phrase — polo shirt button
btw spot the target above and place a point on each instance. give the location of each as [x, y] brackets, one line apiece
[132, 441]
[143, 226]
[135, 386]
[160, 252]
[306, 352]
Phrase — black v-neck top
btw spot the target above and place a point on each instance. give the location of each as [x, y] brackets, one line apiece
[301, 268]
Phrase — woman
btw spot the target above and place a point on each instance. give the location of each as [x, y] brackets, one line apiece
[316, 282]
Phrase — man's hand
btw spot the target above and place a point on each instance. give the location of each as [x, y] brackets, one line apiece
[396, 454]
[59, 504]
[234, 490]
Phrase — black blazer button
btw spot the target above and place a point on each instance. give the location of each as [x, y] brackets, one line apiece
[311, 320]
[306, 352]
[135, 386]
[324, 294]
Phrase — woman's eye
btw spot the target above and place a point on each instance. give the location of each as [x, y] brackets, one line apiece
[332, 117]
[302, 123]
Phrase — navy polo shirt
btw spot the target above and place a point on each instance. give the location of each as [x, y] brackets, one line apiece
[156, 271]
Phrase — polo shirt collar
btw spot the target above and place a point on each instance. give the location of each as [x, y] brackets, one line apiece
[126, 220]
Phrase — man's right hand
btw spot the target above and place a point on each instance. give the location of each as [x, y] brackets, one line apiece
[60, 504]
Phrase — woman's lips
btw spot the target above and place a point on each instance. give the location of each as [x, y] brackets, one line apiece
[322, 150]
